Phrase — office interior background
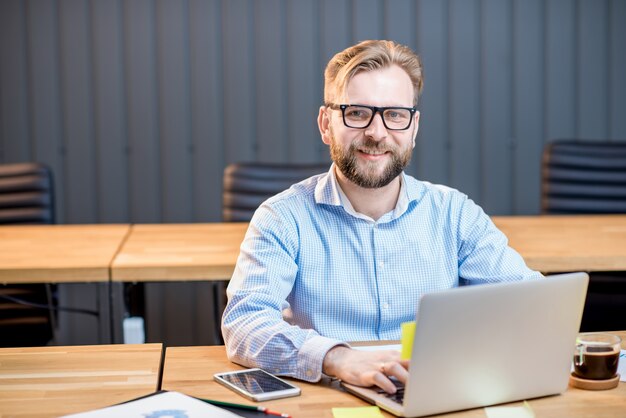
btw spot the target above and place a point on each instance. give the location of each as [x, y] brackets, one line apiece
[137, 106]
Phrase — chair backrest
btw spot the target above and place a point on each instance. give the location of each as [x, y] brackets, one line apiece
[26, 194]
[584, 177]
[26, 197]
[247, 185]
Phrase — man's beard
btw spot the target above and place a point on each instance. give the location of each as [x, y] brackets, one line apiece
[366, 176]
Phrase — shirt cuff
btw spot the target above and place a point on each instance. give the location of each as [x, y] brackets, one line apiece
[311, 357]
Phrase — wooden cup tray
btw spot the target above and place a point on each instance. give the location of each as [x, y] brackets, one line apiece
[588, 384]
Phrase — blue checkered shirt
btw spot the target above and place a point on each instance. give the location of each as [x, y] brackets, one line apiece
[344, 277]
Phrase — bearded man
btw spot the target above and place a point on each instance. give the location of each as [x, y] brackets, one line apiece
[350, 252]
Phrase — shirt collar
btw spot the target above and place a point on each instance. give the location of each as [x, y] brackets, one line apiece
[329, 192]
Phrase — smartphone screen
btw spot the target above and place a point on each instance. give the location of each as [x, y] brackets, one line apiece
[257, 384]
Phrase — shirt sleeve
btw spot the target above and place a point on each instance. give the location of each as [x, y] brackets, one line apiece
[483, 250]
[255, 333]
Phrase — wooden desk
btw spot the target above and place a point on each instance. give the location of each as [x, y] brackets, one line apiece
[568, 243]
[64, 254]
[190, 370]
[207, 252]
[54, 381]
[179, 252]
[172, 252]
[58, 253]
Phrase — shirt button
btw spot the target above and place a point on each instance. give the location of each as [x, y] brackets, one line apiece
[385, 305]
[309, 373]
[381, 264]
[277, 371]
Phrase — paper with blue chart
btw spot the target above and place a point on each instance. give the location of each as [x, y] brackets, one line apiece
[162, 405]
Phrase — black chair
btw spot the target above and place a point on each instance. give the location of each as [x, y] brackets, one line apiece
[26, 194]
[589, 177]
[247, 185]
[26, 197]
[584, 177]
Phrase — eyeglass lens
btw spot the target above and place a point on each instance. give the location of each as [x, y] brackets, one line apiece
[361, 117]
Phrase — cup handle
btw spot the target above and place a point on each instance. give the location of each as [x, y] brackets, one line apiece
[578, 358]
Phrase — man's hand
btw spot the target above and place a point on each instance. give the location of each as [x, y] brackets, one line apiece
[366, 368]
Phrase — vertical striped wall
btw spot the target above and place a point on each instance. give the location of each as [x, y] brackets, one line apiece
[138, 105]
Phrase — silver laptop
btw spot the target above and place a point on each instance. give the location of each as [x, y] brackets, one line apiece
[483, 345]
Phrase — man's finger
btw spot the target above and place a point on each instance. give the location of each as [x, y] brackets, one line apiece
[397, 370]
[384, 383]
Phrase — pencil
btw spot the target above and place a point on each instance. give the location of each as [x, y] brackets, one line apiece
[246, 407]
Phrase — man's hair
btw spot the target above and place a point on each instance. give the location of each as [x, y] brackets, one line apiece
[368, 56]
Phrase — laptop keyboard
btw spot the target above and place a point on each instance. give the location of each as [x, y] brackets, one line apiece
[398, 396]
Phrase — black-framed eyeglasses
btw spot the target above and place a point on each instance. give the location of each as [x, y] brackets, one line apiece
[361, 116]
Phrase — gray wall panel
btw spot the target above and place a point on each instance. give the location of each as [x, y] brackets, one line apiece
[139, 105]
[304, 82]
[144, 169]
[81, 197]
[45, 99]
[560, 69]
[239, 90]
[172, 38]
[206, 107]
[617, 69]
[109, 111]
[399, 21]
[336, 27]
[496, 105]
[527, 107]
[592, 111]
[464, 97]
[271, 72]
[14, 106]
[367, 18]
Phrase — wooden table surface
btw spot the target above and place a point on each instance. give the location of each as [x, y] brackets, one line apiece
[58, 253]
[568, 243]
[170, 252]
[190, 369]
[54, 381]
[208, 251]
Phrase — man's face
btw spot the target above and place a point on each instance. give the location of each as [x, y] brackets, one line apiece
[374, 156]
